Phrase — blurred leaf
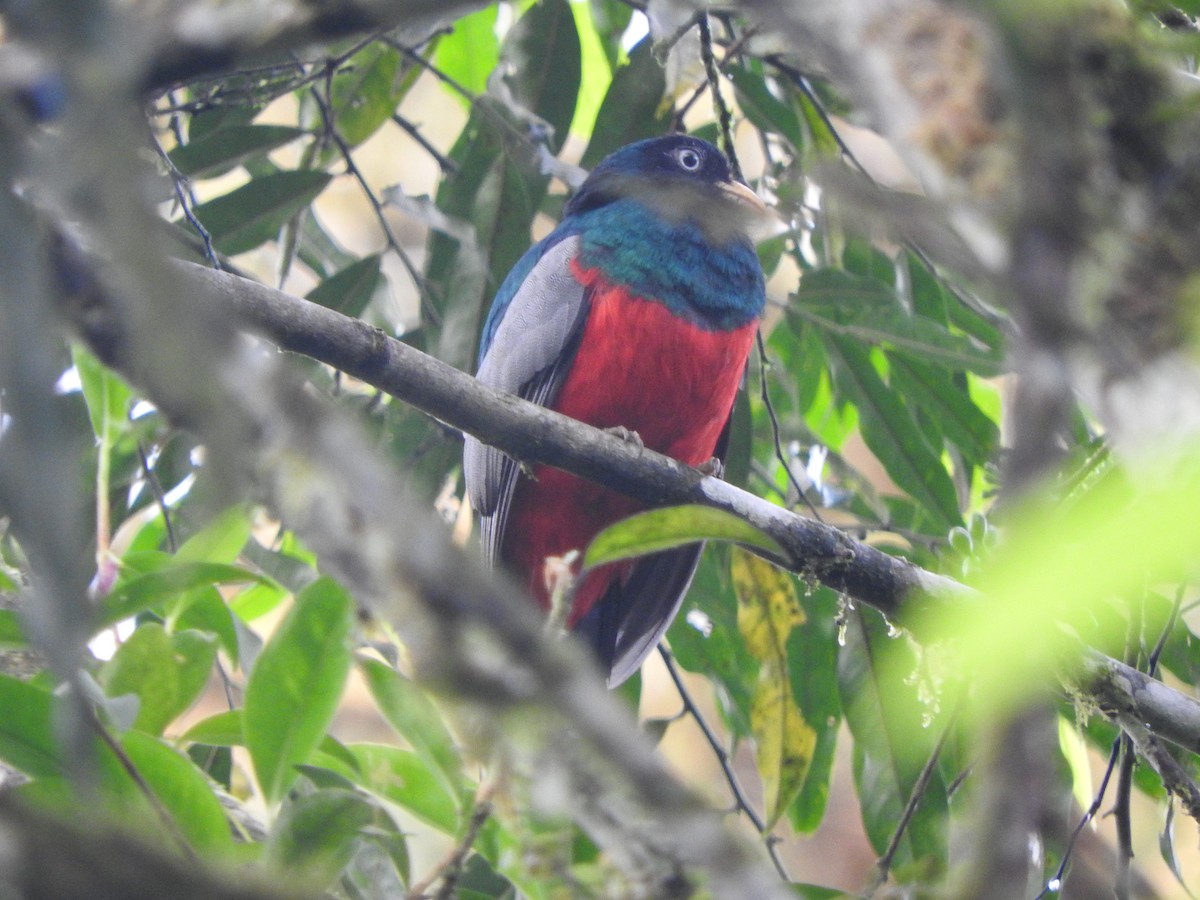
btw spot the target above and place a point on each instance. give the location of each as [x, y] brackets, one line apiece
[611, 18]
[142, 591]
[866, 308]
[27, 740]
[403, 778]
[1075, 752]
[182, 790]
[410, 711]
[314, 835]
[350, 290]
[545, 67]
[366, 91]
[704, 636]
[470, 52]
[811, 655]
[1058, 560]
[217, 152]
[165, 672]
[816, 892]
[108, 396]
[890, 745]
[631, 108]
[934, 391]
[595, 71]
[768, 611]
[1166, 846]
[205, 611]
[670, 527]
[223, 729]
[11, 634]
[889, 430]
[767, 111]
[255, 213]
[296, 683]
[220, 540]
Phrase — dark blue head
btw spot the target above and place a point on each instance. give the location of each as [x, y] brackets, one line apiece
[676, 173]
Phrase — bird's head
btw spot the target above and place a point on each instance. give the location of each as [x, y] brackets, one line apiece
[681, 178]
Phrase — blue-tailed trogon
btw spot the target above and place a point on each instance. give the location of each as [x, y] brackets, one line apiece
[637, 311]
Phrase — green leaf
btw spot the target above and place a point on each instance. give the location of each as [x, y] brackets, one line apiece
[768, 611]
[203, 610]
[223, 729]
[26, 728]
[595, 75]
[935, 392]
[350, 290]
[165, 672]
[762, 107]
[255, 213]
[470, 52]
[182, 789]
[889, 430]
[403, 778]
[221, 540]
[216, 152]
[296, 683]
[812, 651]
[866, 308]
[544, 56]
[705, 639]
[11, 634]
[107, 395]
[140, 592]
[632, 108]
[671, 527]
[313, 838]
[890, 745]
[415, 718]
[366, 92]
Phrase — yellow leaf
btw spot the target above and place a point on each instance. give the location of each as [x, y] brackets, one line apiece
[768, 610]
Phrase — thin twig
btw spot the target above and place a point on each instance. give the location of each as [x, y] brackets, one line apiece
[1054, 884]
[884, 864]
[1122, 817]
[724, 117]
[183, 196]
[765, 395]
[449, 869]
[741, 802]
[393, 242]
[160, 497]
[168, 821]
[445, 163]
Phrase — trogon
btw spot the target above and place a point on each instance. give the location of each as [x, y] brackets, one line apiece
[637, 312]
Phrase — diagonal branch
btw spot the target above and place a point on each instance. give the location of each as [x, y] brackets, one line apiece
[534, 434]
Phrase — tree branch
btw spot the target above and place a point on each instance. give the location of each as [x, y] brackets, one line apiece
[534, 434]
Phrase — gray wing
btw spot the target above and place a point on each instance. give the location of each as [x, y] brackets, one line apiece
[627, 623]
[529, 355]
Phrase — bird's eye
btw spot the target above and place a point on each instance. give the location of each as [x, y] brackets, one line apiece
[688, 159]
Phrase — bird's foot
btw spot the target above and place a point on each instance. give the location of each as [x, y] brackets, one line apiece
[712, 467]
[628, 436]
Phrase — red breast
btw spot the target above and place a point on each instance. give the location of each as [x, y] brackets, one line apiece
[641, 367]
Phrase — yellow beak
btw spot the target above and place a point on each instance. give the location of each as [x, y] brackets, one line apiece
[742, 194]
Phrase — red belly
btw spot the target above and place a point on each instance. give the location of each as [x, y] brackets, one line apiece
[641, 367]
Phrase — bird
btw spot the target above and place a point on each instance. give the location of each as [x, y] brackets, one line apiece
[636, 314]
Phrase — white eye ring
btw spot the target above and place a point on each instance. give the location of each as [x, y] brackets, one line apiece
[689, 160]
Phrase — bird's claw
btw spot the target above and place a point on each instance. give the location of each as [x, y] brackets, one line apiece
[628, 436]
[712, 467]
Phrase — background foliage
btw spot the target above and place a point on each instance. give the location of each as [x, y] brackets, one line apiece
[875, 404]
